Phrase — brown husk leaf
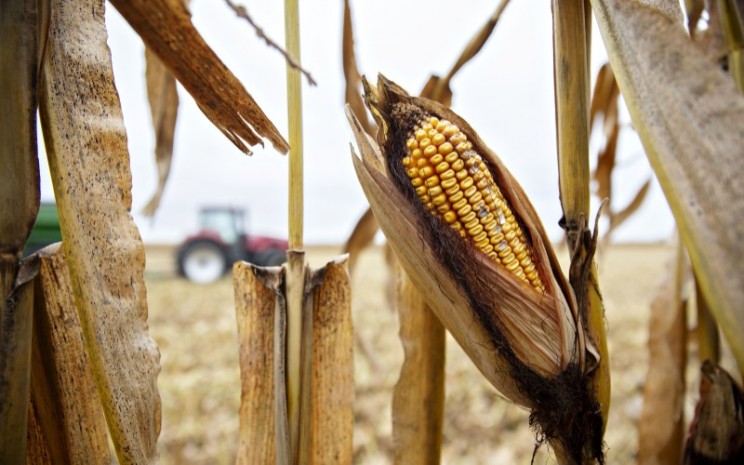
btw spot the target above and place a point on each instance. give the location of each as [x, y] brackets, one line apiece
[661, 425]
[165, 27]
[717, 431]
[163, 99]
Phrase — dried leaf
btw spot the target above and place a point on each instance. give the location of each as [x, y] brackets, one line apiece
[661, 425]
[89, 164]
[438, 88]
[689, 116]
[361, 237]
[617, 219]
[163, 100]
[166, 29]
[606, 164]
[418, 396]
[63, 390]
[353, 79]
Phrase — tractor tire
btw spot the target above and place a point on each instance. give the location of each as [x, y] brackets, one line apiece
[202, 262]
[269, 257]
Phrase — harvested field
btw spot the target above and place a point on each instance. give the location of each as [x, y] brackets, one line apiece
[199, 383]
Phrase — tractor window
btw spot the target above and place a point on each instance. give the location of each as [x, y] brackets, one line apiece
[223, 222]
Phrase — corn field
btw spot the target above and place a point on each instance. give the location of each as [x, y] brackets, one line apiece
[470, 270]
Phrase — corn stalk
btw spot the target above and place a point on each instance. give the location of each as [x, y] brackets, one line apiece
[571, 72]
[67, 407]
[20, 34]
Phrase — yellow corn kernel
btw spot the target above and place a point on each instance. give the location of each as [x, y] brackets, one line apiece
[456, 185]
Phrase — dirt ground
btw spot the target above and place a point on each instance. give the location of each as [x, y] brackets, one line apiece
[199, 384]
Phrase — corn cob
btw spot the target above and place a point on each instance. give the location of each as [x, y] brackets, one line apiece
[455, 184]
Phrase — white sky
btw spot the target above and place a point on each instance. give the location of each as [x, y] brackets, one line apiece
[506, 94]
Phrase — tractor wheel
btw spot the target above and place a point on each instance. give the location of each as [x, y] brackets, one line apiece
[269, 257]
[202, 262]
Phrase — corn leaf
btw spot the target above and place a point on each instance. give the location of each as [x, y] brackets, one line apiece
[89, 164]
[63, 390]
[166, 28]
[163, 100]
[689, 116]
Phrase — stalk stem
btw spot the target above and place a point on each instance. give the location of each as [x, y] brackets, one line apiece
[295, 280]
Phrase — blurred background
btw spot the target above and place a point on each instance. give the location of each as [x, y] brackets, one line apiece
[506, 93]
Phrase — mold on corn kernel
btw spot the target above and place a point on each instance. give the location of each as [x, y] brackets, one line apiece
[455, 184]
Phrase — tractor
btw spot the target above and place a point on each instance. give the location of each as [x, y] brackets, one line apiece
[206, 256]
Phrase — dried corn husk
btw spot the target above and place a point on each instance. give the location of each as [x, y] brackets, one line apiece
[717, 431]
[528, 344]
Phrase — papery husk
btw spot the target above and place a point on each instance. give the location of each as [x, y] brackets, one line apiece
[526, 343]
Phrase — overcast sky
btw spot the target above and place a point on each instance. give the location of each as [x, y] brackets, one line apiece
[506, 94]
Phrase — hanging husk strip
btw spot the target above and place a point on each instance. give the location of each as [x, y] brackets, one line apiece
[661, 426]
[689, 116]
[571, 79]
[327, 391]
[165, 27]
[717, 431]
[525, 342]
[63, 391]
[352, 77]
[87, 150]
[19, 205]
[163, 100]
[418, 397]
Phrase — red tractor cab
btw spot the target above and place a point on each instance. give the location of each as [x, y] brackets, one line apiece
[206, 256]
